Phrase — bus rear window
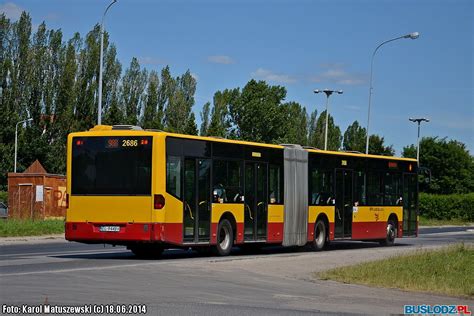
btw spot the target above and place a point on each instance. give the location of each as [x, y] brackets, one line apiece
[119, 165]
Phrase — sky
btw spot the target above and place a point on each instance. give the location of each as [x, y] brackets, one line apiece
[302, 45]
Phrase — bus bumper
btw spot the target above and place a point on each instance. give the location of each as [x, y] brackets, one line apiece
[91, 232]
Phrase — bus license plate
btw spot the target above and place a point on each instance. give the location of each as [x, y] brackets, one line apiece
[109, 228]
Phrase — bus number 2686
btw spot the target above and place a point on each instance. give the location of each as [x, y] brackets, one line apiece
[129, 143]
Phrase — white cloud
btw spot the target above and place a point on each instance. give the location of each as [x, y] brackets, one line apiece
[336, 73]
[221, 59]
[11, 10]
[268, 75]
[148, 60]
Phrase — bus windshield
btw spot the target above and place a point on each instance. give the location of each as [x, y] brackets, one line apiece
[113, 165]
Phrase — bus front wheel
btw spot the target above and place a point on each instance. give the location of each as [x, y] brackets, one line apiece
[391, 234]
[225, 238]
[320, 236]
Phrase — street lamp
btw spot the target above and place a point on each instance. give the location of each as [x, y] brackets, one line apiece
[328, 93]
[16, 138]
[413, 36]
[99, 117]
[418, 121]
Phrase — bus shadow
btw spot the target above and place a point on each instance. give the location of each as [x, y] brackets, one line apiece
[172, 254]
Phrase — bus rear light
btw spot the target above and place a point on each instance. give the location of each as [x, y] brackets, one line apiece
[158, 201]
[67, 200]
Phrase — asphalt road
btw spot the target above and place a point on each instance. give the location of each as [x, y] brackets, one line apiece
[273, 281]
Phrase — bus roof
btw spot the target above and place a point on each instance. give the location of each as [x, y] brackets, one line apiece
[108, 130]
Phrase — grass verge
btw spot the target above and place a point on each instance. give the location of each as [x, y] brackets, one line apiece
[442, 222]
[445, 271]
[15, 227]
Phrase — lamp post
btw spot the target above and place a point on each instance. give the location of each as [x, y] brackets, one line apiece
[413, 36]
[16, 138]
[328, 94]
[99, 116]
[418, 121]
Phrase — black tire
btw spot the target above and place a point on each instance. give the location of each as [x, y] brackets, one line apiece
[146, 251]
[320, 239]
[391, 234]
[225, 238]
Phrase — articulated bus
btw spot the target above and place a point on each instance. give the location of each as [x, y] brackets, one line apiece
[152, 190]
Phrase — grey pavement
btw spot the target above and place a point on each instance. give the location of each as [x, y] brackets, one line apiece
[272, 281]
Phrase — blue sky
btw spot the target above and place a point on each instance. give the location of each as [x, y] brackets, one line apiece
[302, 45]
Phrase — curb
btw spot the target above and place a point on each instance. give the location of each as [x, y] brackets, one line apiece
[31, 239]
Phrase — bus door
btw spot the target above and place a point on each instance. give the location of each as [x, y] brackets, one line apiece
[343, 216]
[409, 204]
[256, 204]
[197, 200]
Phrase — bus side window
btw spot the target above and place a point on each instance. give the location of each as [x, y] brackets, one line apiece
[374, 189]
[321, 187]
[360, 188]
[275, 191]
[173, 176]
[226, 182]
[392, 188]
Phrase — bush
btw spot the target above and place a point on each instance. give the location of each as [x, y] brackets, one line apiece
[4, 197]
[452, 206]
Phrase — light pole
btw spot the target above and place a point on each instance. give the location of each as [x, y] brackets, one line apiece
[418, 121]
[16, 138]
[99, 116]
[413, 36]
[328, 93]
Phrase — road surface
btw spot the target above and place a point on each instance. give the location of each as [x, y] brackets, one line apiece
[273, 281]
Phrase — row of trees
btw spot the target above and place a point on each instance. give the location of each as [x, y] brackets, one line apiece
[55, 82]
[259, 112]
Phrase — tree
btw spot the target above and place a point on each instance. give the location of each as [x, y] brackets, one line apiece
[85, 112]
[318, 135]
[178, 95]
[149, 114]
[205, 119]
[312, 128]
[132, 93]
[255, 115]
[450, 163]
[111, 85]
[377, 147]
[295, 124]
[354, 138]
[220, 121]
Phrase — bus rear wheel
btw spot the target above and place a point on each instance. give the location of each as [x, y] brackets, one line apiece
[147, 251]
[320, 236]
[225, 238]
[391, 234]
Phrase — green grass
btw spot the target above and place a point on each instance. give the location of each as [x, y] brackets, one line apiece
[442, 222]
[448, 271]
[15, 227]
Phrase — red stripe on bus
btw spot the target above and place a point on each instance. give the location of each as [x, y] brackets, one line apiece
[172, 233]
[331, 231]
[275, 233]
[369, 230]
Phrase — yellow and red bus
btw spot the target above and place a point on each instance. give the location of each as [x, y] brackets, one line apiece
[153, 190]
